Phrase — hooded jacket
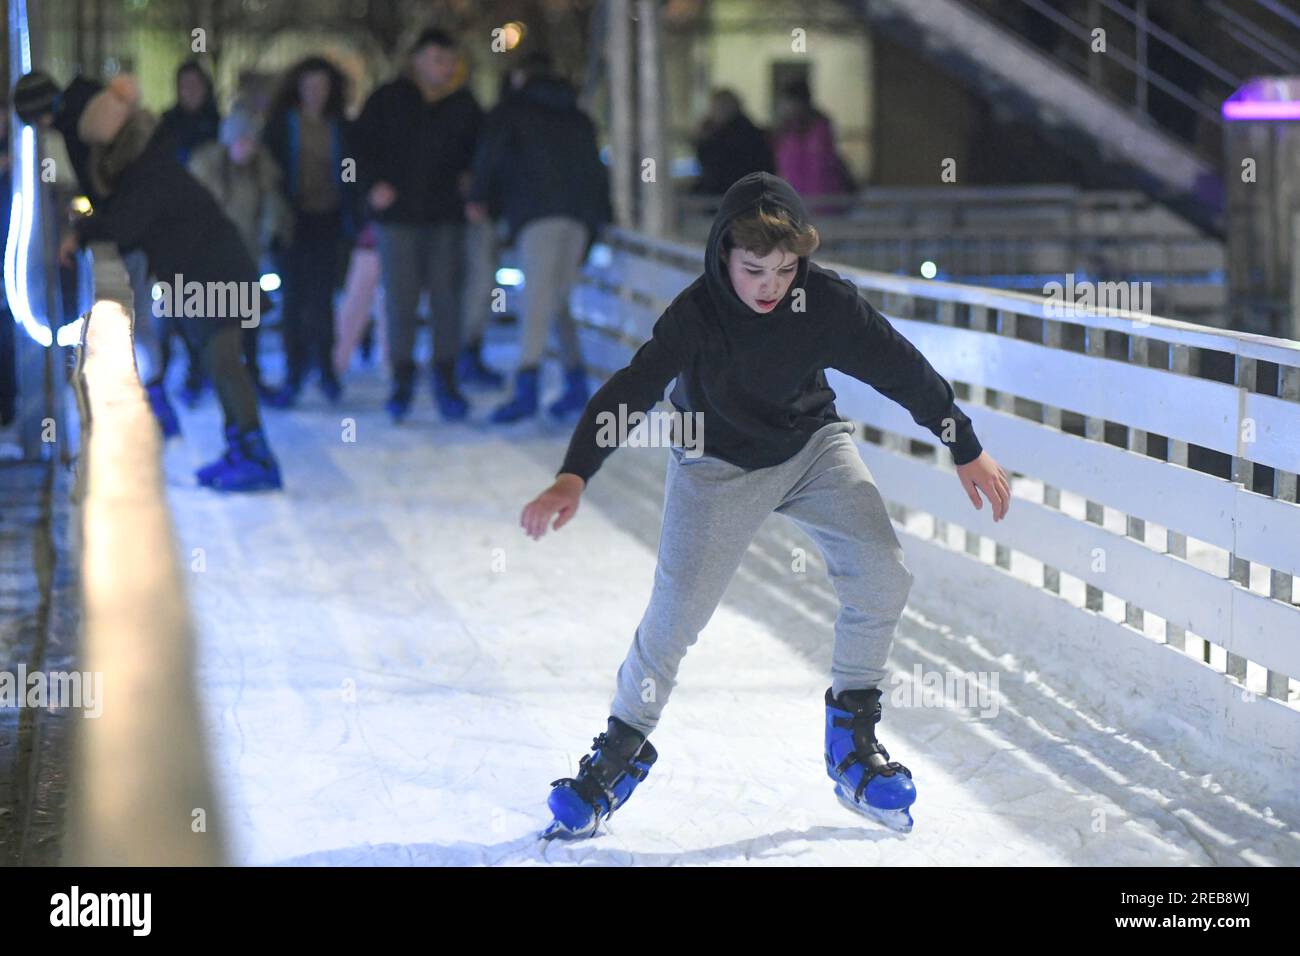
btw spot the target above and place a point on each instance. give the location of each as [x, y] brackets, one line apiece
[759, 378]
[538, 157]
[187, 131]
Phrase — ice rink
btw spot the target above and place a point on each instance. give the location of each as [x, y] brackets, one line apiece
[392, 673]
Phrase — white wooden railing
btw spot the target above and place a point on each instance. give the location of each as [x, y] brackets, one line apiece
[1161, 589]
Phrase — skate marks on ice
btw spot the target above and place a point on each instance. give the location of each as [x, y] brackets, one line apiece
[474, 689]
[1044, 764]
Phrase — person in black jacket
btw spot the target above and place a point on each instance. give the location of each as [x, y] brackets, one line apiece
[39, 101]
[538, 161]
[728, 146]
[414, 142]
[306, 133]
[193, 121]
[152, 203]
[755, 430]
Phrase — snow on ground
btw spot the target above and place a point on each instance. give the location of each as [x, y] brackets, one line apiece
[393, 673]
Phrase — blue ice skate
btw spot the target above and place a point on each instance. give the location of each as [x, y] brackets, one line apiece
[521, 405]
[621, 759]
[204, 474]
[247, 465]
[576, 393]
[866, 780]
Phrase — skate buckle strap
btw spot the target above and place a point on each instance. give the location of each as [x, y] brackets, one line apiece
[863, 724]
[596, 780]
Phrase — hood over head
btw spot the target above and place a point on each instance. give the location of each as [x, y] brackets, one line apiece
[551, 91]
[746, 194]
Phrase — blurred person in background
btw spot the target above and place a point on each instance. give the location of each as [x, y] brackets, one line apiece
[805, 151]
[361, 313]
[40, 101]
[244, 178]
[540, 164]
[728, 145]
[415, 140]
[151, 202]
[193, 121]
[482, 253]
[306, 132]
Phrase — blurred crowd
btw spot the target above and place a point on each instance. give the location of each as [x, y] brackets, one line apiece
[364, 217]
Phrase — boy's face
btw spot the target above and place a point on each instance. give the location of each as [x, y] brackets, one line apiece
[761, 281]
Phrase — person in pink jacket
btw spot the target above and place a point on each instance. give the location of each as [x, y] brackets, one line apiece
[804, 145]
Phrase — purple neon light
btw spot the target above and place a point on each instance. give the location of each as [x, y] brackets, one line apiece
[1265, 98]
[1260, 110]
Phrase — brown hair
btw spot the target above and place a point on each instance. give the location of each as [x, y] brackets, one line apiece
[766, 229]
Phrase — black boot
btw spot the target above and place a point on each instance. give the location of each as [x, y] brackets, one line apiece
[399, 403]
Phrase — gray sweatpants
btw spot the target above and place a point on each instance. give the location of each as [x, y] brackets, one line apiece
[551, 249]
[712, 510]
[414, 257]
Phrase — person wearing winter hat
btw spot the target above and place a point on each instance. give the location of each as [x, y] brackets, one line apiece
[245, 179]
[152, 202]
[40, 101]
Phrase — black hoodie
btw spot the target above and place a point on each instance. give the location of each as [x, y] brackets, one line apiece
[187, 131]
[759, 378]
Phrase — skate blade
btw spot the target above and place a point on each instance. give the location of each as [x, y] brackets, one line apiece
[558, 831]
[898, 820]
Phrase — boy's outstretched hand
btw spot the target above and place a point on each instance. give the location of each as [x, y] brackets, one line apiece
[560, 499]
[987, 475]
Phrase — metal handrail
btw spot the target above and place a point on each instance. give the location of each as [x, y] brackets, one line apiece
[1143, 74]
[1281, 55]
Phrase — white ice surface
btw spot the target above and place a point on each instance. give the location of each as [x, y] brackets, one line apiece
[378, 689]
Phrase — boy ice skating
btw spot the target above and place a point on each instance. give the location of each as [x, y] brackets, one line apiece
[748, 343]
